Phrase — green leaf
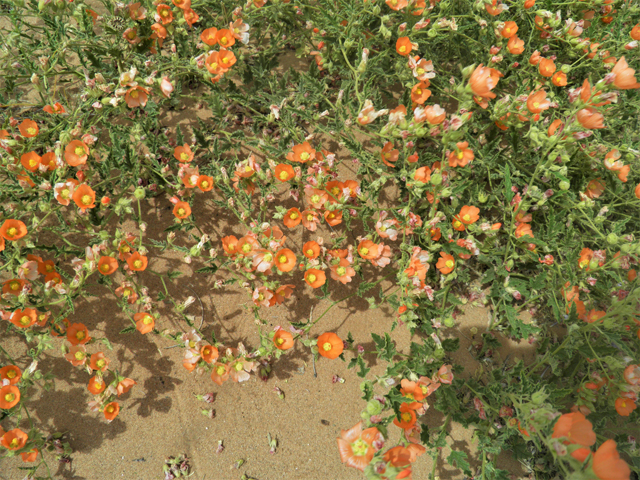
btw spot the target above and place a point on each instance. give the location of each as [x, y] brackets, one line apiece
[385, 347]
[128, 329]
[459, 459]
[363, 368]
[507, 184]
[174, 274]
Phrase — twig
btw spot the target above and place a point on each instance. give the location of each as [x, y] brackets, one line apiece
[313, 356]
[201, 306]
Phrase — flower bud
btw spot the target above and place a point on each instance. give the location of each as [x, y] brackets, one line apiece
[139, 193]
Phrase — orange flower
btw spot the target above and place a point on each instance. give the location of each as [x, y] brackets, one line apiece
[9, 396]
[590, 119]
[553, 128]
[368, 250]
[301, 153]
[48, 161]
[96, 385]
[523, 229]
[483, 80]
[30, 161]
[509, 30]
[107, 265]
[137, 262]
[29, 456]
[227, 59]
[55, 108]
[311, 250]
[342, 272]
[76, 153]
[183, 154]
[182, 210]
[292, 218]
[535, 58]
[636, 191]
[575, 428]
[136, 97]
[99, 362]
[559, 79]
[284, 172]
[84, 197]
[229, 244]
[537, 102]
[182, 4]
[608, 465]
[389, 155]
[285, 260]
[14, 439]
[594, 316]
[209, 353]
[10, 373]
[190, 16]
[334, 188]
[111, 411]
[407, 417]
[446, 263]
[28, 128]
[396, 4]
[225, 38]
[13, 286]
[205, 183]
[125, 385]
[310, 220]
[220, 373]
[78, 334]
[625, 406]
[165, 14]
[334, 217]
[422, 175]
[136, 12]
[403, 46]
[209, 37]
[283, 340]
[461, 156]
[13, 230]
[23, 318]
[595, 188]
[357, 446]
[469, 215]
[330, 345]
[624, 76]
[144, 322]
[315, 278]
[546, 67]
[515, 45]
[77, 354]
[420, 93]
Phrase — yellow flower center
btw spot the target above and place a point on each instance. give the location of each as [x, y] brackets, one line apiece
[12, 231]
[78, 355]
[147, 320]
[284, 175]
[267, 257]
[25, 319]
[97, 385]
[304, 156]
[214, 65]
[238, 367]
[223, 41]
[449, 263]
[309, 217]
[311, 278]
[14, 443]
[32, 162]
[31, 131]
[80, 335]
[14, 285]
[184, 156]
[364, 251]
[11, 374]
[282, 259]
[460, 155]
[79, 151]
[246, 248]
[420, 71]
[100, 363]
[359, 447]
[181, 211]
[315, 198]
[309, 252]
[164, 13]
[137, 264]
[293, 215]
[10, 397]
[402, 49]
[220, 370]
[409, 396]
[457, 223]
[248, 168]
[127, 292]
[225, 60]
[341, 271]
[466, 218]
[65, 193]
[125, 249]
[134, 94]
[335, 191]
[104, 267]
[326, 346]
[280, 341]
[204, 184]
[110, 409]
[86, 200]
[192, 343]
[536, 104]
[406, 417]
